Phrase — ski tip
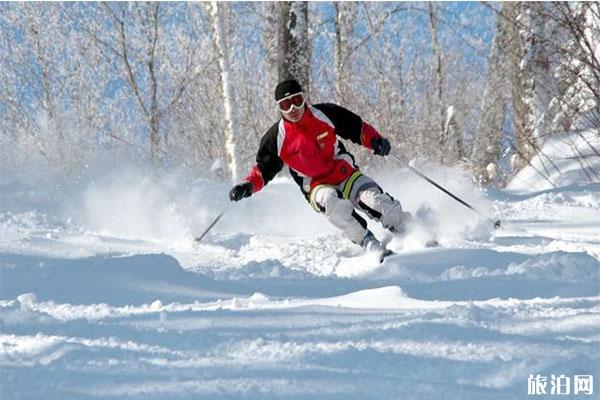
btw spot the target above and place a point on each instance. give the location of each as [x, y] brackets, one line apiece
[386, 253]
[432, 243]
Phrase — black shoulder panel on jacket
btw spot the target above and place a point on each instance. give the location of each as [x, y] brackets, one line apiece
[267, 159]
[347, 124]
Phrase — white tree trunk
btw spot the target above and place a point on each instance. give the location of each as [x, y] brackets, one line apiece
[230, 120]
[531, 80]
[345, 17]
[294, 49]
[577, 51]
[270, 44]
[486, 149]
[439, 81]
[452, 148]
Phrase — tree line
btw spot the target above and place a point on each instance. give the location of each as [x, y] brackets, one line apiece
[171, 85]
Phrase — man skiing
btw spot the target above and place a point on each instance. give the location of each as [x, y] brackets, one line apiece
[305, 139]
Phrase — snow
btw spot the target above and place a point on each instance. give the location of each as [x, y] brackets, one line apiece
[104, 294]
[565, 159]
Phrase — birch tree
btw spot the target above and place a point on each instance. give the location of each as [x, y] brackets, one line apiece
[270, 43]
[449, 130]
[294, 50]
[33, 78]
[218, 13]
[345, 19]
[438, 73]
[486, 149]
[149, 54]
[48, 97]
[531, 80]
[575, 46]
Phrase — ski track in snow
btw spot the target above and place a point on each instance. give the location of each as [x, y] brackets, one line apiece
[91, 313]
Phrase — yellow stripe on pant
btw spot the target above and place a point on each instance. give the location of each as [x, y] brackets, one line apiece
[350, 183]
[347, 189]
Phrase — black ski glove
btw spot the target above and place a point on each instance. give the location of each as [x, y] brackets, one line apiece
[381, 146]
[240, 191]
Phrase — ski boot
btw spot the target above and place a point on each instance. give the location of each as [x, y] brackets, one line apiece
[371, 244]
[402, 229]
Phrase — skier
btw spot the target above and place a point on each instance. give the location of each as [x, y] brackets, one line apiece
[306, 141]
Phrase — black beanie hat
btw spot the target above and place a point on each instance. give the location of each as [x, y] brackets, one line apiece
[286, 88]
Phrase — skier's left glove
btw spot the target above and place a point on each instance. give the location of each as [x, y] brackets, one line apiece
[240, 191]
[381, 146]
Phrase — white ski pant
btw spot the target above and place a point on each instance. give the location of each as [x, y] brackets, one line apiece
[339, 204]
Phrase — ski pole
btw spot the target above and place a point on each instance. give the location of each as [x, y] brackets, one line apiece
[496, 223]
[199, 238]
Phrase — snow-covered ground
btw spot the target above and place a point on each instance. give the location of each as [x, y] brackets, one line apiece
[104, 294]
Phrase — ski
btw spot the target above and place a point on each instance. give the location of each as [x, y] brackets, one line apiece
[432, 243]
[386, 253]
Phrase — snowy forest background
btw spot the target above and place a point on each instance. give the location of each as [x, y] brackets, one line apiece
[122, 126]
[87, 86]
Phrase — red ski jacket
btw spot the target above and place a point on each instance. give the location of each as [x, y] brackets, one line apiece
[310, 147]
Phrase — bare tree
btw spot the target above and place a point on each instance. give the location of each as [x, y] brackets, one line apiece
[270, 43]
[486, 149]
[345, 19]
[531, 80]
[49, 106]
[575, 48]
[156, 66]
[438, 73]
[294, 51]
[554, 73]
[449, 131]
[155, 80]
[218, 12]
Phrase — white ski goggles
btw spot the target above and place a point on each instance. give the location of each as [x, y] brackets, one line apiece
[293, 100]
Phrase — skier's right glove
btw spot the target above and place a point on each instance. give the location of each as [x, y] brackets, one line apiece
[381, 146]
[240, 191]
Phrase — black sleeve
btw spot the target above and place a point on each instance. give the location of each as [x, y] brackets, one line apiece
[267, 159]
[347, 124]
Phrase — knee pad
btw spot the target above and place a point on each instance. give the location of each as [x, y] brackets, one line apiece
[384, 208]
[323, 197]
[339, 212]
[392, 216]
